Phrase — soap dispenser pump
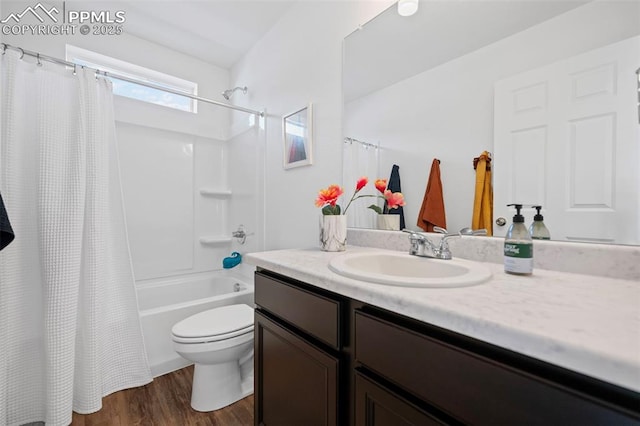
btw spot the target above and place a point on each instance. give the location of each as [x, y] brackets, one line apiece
[538, 229]
[518, 246]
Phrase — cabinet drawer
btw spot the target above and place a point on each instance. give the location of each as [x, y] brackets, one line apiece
[312, 313]
[468, 386]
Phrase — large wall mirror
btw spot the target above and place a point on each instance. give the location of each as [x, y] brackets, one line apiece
[549, 88]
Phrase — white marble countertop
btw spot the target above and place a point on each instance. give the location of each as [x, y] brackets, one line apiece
[583, 323]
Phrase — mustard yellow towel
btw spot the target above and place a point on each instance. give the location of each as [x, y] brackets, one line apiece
[483, 200]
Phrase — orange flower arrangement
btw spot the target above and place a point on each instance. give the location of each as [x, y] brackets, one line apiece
[393, 199]
[328, 198]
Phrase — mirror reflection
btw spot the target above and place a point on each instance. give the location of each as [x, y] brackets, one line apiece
[548, 89]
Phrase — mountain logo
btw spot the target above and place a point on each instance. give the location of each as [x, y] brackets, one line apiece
[38, 10]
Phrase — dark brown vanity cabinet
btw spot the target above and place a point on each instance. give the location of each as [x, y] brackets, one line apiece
[299, 360]
[324, 359]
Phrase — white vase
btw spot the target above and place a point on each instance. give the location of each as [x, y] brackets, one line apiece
[333, 232]
[388, 222]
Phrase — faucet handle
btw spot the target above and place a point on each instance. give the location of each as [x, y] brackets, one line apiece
[440, 230]
[240, 234]
[413, 235]
[469, 231]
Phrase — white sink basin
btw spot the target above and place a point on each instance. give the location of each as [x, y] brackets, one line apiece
[405, 270]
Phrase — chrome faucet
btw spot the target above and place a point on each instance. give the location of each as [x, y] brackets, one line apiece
[421, 246]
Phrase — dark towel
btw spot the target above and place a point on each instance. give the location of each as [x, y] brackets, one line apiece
[394, 186]
[6, 233]
[432, 210]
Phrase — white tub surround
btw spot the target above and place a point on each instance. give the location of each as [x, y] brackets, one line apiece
[584, 323]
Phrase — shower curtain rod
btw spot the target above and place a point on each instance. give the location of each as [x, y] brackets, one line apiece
[51, 59]
[367, 144]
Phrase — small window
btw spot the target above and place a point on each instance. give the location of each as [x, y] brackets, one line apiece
[137, 91]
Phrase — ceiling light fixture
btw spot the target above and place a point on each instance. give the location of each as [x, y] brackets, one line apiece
[407, 7]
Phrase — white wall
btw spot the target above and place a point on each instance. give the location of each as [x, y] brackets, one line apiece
[447, 112]
[166, 157]
[300, 61]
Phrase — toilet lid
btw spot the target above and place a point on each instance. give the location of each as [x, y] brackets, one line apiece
[215, 322]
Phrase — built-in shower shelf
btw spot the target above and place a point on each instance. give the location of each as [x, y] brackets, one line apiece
[215, 192]
[212, 241]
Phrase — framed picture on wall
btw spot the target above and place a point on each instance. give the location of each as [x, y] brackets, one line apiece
[298, 138]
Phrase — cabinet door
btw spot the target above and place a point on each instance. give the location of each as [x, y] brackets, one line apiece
[296, 383]
[376, 406]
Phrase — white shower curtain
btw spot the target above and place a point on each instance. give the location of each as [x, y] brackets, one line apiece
[360, 160]
[69, 326]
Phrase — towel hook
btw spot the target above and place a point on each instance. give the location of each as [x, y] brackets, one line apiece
[486, 155]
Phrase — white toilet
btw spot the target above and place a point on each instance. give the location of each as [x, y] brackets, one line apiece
[220, 344]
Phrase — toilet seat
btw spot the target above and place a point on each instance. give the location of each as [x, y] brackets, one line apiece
[214, 325]
[209, 339]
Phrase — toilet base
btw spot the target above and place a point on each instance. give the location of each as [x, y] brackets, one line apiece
[215, 386]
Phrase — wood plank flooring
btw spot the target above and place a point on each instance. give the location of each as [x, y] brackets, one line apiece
[164, 402]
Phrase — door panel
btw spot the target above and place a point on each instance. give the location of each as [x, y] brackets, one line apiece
[297, 382]
[566, 137]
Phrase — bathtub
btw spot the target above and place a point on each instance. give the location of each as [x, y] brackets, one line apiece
[164, 302]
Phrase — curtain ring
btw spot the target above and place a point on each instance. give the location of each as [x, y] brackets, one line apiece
[38, 59]
[96, 73]
[74, 69]
[4, 48]
[21, 52]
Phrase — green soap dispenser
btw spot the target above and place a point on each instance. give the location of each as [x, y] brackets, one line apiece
[538, 229]
[518, 246]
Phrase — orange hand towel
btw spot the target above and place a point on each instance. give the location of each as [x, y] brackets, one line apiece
[432, 210]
